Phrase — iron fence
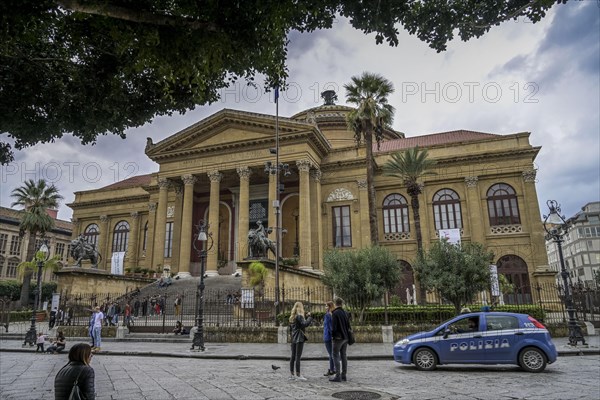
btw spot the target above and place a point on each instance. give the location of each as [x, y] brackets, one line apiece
[156, 311]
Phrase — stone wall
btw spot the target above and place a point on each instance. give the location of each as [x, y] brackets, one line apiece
[93, 281]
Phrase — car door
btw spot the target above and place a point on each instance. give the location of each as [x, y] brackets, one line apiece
[461, 343]
[501, 338]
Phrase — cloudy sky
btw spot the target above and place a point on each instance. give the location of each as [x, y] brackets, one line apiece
[541, 78]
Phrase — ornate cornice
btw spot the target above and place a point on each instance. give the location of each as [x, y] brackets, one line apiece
[102, 202]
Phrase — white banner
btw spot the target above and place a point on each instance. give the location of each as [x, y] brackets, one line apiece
[116, 263]
[494, 280]
[55, 301]
[247, 298]
[452, 235]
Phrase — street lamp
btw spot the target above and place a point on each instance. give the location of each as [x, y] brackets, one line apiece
[202, 243]
[41, 256]
[555, 226]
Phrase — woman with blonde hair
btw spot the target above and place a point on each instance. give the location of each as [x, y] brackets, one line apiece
[298, 324]
[77, 370]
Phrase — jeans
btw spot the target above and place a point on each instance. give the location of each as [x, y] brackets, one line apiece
[296, 354]
[329, 347]
[339, 356]
[97, 336]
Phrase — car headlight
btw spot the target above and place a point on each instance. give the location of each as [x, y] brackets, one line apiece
[403, 342]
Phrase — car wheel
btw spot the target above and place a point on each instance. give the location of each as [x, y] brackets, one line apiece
[532, 359]
[425, 359]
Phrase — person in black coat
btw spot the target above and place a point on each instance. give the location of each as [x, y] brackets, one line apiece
[80, 357]
[340, 325]
[298, 324]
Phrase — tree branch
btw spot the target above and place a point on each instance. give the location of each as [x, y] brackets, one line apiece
[138, 16]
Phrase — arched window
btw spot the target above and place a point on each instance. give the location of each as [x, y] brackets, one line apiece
[503, 208]
[120, 237]
[395, 214]
[145, 236]
[446, 210]
[91, 234]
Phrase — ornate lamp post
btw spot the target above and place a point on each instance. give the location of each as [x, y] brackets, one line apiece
[555, 227]
[42, 255]
[202, 243]
[296, 213]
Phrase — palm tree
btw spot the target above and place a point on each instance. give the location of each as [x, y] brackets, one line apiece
[372, 116]
[35, 198]
[410, 166]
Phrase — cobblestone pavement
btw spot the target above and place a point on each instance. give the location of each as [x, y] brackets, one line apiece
[25, 375]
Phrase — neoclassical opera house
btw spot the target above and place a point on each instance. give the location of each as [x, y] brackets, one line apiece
[214, 170]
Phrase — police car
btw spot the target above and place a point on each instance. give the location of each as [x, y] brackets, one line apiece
[480, 338]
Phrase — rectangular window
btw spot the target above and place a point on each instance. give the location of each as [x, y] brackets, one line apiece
[3, 242]
[342, 234]
[60, 250]
[11, 269]
[15, 246]
[169, 240]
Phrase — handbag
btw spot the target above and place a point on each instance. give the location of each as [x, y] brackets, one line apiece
[75, 391]
[351, 339]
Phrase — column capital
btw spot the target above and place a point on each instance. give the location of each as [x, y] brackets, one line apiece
[529, 175]
[188, 179]
[244, 172]
[152, 207]
[316, 175]
[103, 218]
[74, 220]
[214, 176]
[134, 215]
[303, 165]
[471, 181]
[362, 184]
[163, 183]
[179, 191]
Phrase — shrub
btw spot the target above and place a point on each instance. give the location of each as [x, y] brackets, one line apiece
[10, 289]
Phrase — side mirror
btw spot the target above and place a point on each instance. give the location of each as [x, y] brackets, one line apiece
[446, 333]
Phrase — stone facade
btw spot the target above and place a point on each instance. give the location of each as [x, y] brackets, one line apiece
[214, 171]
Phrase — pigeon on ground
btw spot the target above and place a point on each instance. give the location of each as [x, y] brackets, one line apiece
[275, 367]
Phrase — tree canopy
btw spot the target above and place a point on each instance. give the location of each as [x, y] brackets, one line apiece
[361, 276]
[90, 67]
[456, 272]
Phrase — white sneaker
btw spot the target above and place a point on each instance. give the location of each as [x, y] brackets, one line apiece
[292, 378]
[300, 378]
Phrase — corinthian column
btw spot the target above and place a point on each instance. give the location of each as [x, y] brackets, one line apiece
[185, 245]
[475, 216]
[305, 222]
[103, 246]
[161, 222]
[363, 198]
[213, 221]
[132, 258]
[243, 212]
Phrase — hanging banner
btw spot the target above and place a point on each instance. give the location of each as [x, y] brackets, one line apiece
[495, 285]
[116, 263]
[55, 301]
[452, 235]
[247, 299]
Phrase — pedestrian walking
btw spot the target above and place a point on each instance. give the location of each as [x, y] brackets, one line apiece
[340, 326]
[97, 329]
[144, 306]
[77, 370]
[327, 338]
[128, 317]
[136, 308]
[298, 324]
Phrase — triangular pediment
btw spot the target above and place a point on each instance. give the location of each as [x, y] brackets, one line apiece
[231, 129]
